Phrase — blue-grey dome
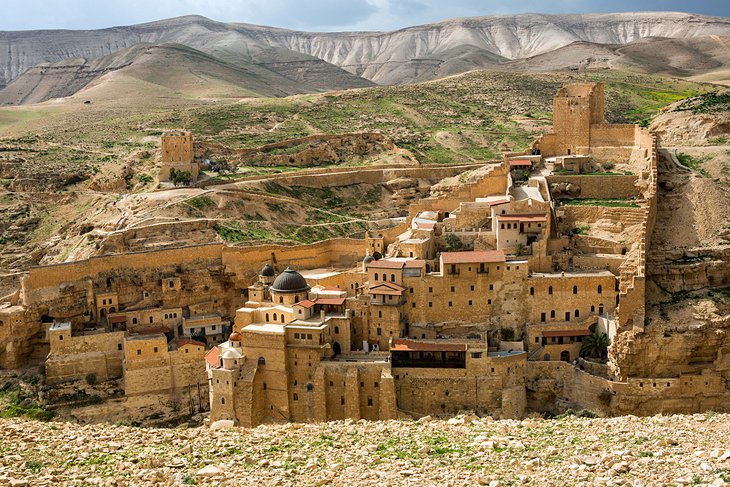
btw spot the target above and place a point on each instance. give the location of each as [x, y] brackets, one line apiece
[267, 271]
[289, 281]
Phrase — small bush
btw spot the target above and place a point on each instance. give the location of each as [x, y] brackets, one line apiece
[507, 334]
[91, 379]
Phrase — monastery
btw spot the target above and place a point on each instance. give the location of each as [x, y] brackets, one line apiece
[480, 300]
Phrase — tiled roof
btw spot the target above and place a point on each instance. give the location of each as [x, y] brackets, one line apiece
[181, 342]
[473, 257]
[154, 330]
[386, 264]
[520, 162]
[212, 357]
[117, 319]
[306, 304]
[522, 218]
[498, 202]
[403, 345]
[411, 264]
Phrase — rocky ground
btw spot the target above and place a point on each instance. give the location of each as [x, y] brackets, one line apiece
[466, 450]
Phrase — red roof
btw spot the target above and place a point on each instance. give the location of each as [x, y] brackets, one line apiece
[387, 288]
[332, 301]
[212, 357]
[117, 319]
[566, 333]
[520, 162]
[498, 202]
[154, 330]
[522, 218]
[305, 304]
[411, 264]
[386, 264]
[181, 342]
[425, 225]
[473, 257]
[403, 345]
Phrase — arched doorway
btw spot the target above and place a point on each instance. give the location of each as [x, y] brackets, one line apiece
[565, 356]
[336, 348]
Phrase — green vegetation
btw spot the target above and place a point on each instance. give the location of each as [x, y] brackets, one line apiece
[582, 230]
[610, 202]
[693, 163]
[595, 345]
[178, 176]
[15, 403]
[706, 103]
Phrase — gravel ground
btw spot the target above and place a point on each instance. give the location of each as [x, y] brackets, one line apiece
[466, 450]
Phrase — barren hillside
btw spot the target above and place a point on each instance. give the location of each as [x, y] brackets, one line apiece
[466, 450]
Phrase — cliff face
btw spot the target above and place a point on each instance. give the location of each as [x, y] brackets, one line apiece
[406, 55]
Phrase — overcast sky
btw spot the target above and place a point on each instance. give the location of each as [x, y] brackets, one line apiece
[313, 15]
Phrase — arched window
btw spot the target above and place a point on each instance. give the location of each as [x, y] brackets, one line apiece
[552, 314]
[600, 309]
[281, 299]
[337, 329]
[593, 309]
[134, 321]
[262, 361]
[275, 318]
[550, 290]
[223, 400]
[103, 312]
[600, 289]
[577, 313]
[376, 276]
[296, 396]
[392, 278]
[296, 298]
[172, 283]
[575, 289]
[282, 317]
[267, 317]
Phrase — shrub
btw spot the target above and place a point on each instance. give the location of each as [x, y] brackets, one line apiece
[91, 378]
[507, 334]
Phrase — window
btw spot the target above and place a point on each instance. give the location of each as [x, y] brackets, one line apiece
[537, 339]
[489, 301]
[376, 276]
[600, 289]
[267, 316]
[296, 335]
[470, 302]
[502, 226]
[337, 330]
[476, 355]
[491, 287]
[223, 400]
[296, 396]
[139, 352]
[134, 321]
[262, 361]
[150, 319]
[413, 305]
[552, 314]
[532, 291]
[542, 316]
[342, 400]
[430, 304]
[379, 332]
[392, 278]
[577, 313]
[593, 309]
[567, 316]
[172, 284]
[410, 290]
[376, 385]
[309, 336]
[60, 337]
[119, 346]
[550, 290]
[453, 289]
[471, 288]
[154, 350]
[575, 289]
[370, 401]
[380, 313]
[212, 327]
[275, 318]
[450, 304]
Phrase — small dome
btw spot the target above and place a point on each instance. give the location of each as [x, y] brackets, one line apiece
[368, 259]
[235, 337]
[231, 354]
[290, 281]
[267, 271]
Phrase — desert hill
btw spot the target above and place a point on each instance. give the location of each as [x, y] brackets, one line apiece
[413, 54]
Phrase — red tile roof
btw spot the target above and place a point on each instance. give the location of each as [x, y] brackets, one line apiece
[425, 225]
[181, 342]
[411, 264]
[522, 218]
[498, 202]
[566, 333]
[386, 264]
[306, 304]
[473, 257]
[117, 319]
[520, 162]
[154, 330]
[212, 357]
[403, 345]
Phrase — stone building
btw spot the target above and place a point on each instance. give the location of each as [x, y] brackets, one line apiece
[177, 154]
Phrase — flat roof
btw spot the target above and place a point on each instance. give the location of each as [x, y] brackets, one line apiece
[520, 162]
[404, 345]
[272, 328]
[473, 257]
[330, 301]
[319, 273]
[147, 336]
[61, 326]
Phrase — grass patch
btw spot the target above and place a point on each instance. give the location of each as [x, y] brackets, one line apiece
[14, 403]
[611, 203]
[693, 163]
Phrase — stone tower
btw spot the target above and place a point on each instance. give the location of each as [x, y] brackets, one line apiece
[177, 153]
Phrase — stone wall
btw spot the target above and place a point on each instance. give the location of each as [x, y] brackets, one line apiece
[597, 186]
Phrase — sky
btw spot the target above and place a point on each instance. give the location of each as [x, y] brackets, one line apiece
[312, 15]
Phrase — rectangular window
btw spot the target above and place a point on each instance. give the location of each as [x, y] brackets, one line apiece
[296, 335]
[410, 289]
[413, 305]
[379, 331]
[139, 352]
[470, 302]
[537, 339]
[489, 301]
[430, 289]
[212, 327]
[453, 289]
[309, 336]
[430, 304]
[370, 401]
[155, 350]
[450, 304]
[119, 346]
[491, 287]
[476, 355]
[471, 287]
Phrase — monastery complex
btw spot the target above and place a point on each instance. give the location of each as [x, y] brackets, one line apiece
[480, 300]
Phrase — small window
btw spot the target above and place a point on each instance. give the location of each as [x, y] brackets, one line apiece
[379, 331]
[413, 305]
[470, 303]
[119, 346]
[337, 330]
[577, 313]
[476, 355]
[376, 385]
[532, 291]
[60, 337]
[450, 304]
[430, 304]
[370, 401]
[139, 352]
[489, 301]
[575, 289]
[453, 289]
[296, 335]
[471, 288]
[309, 336]
[134, 321]
[172, 283]
[550, 290]
[376, 277]
[491, 286]
[223, 400]
[296, 396]
[600, 289]
[552, 314]
[392, 278]
[342, 400]
[430, 289]
[154, 350]
[542, 316]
